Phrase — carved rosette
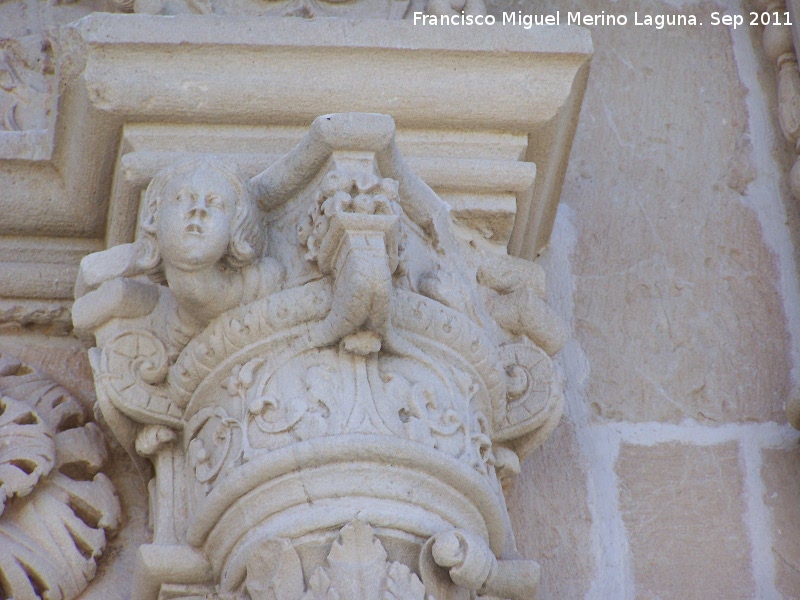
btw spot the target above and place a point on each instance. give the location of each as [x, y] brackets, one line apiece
[318, 441]
[57, 508]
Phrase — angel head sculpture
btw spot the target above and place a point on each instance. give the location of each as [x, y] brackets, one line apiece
[198, 214]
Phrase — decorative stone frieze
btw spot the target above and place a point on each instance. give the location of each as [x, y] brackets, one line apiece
[328, 379]
[57, 508]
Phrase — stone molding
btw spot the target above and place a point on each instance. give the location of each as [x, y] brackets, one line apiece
[333, 384]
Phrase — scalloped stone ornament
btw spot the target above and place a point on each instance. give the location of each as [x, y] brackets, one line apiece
[58, 507]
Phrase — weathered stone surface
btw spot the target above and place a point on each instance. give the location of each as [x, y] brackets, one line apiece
[781, 474]
[676, 305]
[64, 359]
[548, 509]
[684, 512]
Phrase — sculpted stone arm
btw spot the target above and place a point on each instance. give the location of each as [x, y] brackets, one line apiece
[125, 260]
[116, 298]
[519, 305]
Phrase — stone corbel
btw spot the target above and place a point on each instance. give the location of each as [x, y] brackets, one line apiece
[355, 240]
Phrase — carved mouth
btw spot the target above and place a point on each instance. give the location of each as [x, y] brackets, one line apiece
[194, 228]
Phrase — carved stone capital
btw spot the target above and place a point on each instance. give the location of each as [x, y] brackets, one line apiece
[321, 411]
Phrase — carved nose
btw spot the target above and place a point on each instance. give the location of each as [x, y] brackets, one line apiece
[198, 211]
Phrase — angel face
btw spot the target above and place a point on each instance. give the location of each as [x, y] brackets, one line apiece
[194, 220]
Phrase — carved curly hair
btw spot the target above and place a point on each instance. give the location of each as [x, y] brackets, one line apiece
[246, 240]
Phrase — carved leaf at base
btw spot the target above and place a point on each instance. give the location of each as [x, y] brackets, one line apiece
[358, 569]
[274, 572]
[319, 587]
[401, 583]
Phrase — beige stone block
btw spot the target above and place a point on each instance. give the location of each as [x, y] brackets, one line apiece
[548, 509]
[781, 475]
[683, 509]
[676, 306]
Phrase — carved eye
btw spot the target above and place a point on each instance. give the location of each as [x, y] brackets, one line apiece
[212, 200]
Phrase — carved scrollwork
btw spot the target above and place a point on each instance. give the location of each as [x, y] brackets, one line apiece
[26, 69]
[59, 508]
[216, 443]
[131, 367]
[461, 558]
[290, 401]
[533, 392]
[425, 406]
[306, 414]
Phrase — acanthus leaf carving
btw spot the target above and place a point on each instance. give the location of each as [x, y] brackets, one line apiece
[274, 571]
[357, 567]
[27, 449]
[59, 508]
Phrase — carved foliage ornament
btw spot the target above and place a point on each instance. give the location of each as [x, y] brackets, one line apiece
[329, 415]
[56, 507]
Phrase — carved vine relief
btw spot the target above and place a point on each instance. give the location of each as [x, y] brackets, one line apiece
[327, 385]
[26, 70]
